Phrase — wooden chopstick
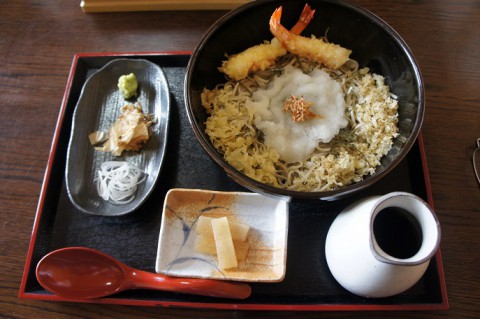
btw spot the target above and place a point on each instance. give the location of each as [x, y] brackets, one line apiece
[90, 6]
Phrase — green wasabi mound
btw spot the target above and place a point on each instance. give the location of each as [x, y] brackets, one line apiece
[128, 85]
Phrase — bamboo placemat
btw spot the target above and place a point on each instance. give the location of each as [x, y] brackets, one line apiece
[152, 5]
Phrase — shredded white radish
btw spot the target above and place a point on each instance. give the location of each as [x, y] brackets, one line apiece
[117, 181]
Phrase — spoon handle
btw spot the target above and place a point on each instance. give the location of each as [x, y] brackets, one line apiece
[205, 287]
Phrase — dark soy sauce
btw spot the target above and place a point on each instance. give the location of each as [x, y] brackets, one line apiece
[397, 232]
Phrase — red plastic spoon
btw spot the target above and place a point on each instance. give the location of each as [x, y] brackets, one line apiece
[84, 273]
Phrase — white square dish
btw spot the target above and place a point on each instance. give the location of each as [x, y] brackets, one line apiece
[266, 216]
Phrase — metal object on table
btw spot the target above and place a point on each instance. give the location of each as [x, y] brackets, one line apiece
[476, 160]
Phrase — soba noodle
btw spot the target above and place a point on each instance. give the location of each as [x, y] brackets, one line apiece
[371, 112]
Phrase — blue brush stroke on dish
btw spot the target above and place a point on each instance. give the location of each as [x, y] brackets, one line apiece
[186, 229]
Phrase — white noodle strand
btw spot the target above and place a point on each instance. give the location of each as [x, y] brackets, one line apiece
[117, 181]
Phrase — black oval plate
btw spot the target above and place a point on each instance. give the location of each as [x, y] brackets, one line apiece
[98, 107]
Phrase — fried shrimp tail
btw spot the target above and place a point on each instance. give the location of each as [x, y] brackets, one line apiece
[264, 55]
[305, 18]
[331, 55]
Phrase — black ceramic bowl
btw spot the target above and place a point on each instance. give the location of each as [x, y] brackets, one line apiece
[373, 42]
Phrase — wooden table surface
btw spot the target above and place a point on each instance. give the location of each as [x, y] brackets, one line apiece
[39, 38]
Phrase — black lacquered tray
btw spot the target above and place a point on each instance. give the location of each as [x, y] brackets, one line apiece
[133, 238]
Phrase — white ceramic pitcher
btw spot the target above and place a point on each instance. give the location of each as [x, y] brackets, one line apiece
[381, 246]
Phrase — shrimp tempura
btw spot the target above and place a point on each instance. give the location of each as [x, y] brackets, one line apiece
[262, 56]
[331, 55]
